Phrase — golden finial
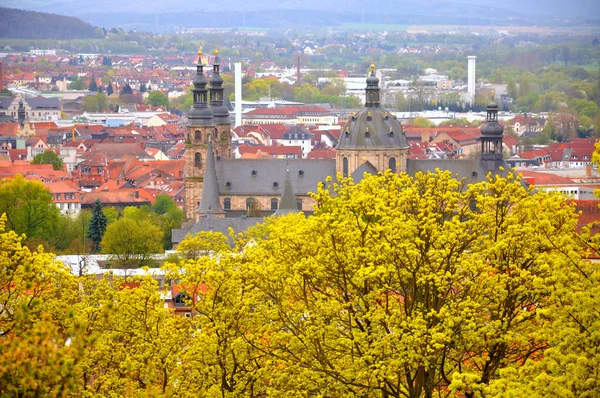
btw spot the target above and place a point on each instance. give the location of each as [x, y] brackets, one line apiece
[199, 49]
[372, 66]
[216, 51]
[367, 129]
[493, 94]
[369, 114]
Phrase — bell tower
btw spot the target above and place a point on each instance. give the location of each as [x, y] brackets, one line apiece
[222, 136]
[199, 126]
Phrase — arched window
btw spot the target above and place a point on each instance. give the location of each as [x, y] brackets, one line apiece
[392, 164]
[274, 204]
[299, 204]
[197, 136]
[198, 159]
[227, 204]
[216, 135]
[249, 203]
[345, 167]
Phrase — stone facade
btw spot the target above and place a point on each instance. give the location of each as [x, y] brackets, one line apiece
[195, 160]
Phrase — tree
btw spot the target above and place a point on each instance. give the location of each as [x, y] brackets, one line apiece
[422, 122]
[143, 88]
[93, 85]
[34, 291]
[109, 89]
[28, 207]
[131, 242]
[97, 225]
[76, 84]
[163, 204]
[157, 98]
[410, 286]
[95, 103]
[126, 89]
[48, 157]
[203, 243]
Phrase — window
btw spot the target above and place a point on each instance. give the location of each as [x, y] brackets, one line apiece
[274, 204]
[197, 136]
[227, 204]
[198, 159]
[299, 204]
[392, 164]
[345, 167]
[180, 300]
[250, 203]
[58, 196]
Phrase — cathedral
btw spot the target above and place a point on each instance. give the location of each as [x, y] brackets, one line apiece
[242, 191]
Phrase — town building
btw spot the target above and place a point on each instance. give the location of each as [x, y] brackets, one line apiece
[219, 187]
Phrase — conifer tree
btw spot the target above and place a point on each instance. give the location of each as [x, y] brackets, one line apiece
[109, 89]
[93, 85]
[97, 225]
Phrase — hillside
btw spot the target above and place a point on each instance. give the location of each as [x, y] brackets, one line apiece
[20, 24]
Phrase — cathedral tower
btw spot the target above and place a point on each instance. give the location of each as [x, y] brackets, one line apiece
[222, 138]
[199, 126]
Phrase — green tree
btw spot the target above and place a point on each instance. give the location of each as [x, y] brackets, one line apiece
[48, 157]
[93, 85]
[126, 89]
[163, 204]
[97, 225]
[143, 88]
[422, 122]
[157, 98]
[131, 242]
[28, 207]
[76, 84]
[109, 89]
[95, 103]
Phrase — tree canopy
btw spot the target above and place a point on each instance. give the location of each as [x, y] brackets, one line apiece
[48, 157]
[28, 207]
[397, 286]
[157, 98]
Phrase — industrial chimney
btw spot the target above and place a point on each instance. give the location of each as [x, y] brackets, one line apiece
[471, 77]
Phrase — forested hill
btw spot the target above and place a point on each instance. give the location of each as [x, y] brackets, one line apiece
[20, 24]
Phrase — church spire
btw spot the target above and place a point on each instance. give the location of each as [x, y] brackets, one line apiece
[491, 134]
[287, 202]
[200, 114]
[21, 113]
[216, 93]
[210, 203]
[372, 92]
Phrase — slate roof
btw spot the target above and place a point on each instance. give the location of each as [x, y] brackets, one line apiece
[208, 223]
[258, 177]
[43, 103]
[372, 127]
[473, 170]
[5, 102]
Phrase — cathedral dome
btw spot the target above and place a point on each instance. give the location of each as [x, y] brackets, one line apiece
[372, 128]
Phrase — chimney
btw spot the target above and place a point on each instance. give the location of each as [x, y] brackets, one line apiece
[137, 194]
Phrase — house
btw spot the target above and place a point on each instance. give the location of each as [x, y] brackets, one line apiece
[525, 123]
[66, 197]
